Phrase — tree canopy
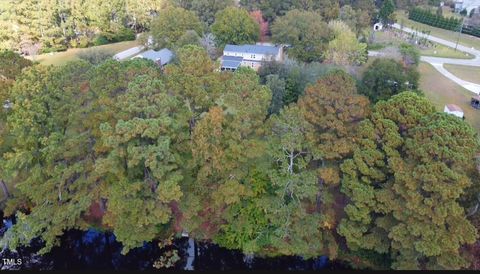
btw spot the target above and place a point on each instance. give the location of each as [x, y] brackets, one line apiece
[404, 181]
[235, 26]
[387, 77]
[172, 25]
[305, 31]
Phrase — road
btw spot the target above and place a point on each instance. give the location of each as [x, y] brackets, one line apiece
[438, 62]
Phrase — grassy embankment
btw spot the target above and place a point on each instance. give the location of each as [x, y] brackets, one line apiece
[60, 58]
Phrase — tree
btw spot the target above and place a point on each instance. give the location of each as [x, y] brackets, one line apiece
[234, 26]
[328, 9]
[410, 55]
[11, 66]
[225, 144]
[52, 162]
[386, 12]
[190, 37]
[277, 86]
[387, 77]
[333, 107]
[207, 9]
[141, 166]
[171, 24]
[344, 49]
[262, 23]
[349, 16]
[305, 31]
[271, 9]
[193, 80]
[404, 182]
[51, 156]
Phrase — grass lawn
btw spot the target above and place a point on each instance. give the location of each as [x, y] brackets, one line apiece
[388, 38]
[441, 91]
[445, 52]
[60, 58]
[466, 40]
[467, 73]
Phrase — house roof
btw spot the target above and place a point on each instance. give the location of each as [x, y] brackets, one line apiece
[164, 55]
[129, 52]
[231, 62]
[255, 49]
[452, 107]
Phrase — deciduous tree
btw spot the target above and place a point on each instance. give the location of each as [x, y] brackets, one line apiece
[234, 26]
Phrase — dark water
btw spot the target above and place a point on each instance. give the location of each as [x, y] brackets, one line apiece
[93, 249]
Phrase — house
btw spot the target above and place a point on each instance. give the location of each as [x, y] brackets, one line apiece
[466, 4]
[161, 57]
[454, 110]
[252, 56]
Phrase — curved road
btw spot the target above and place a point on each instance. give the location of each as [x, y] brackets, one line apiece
[438, 62]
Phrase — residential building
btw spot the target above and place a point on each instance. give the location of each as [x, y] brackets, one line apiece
[128, 53]
[252, 56]
[466, 4]
[161, 57]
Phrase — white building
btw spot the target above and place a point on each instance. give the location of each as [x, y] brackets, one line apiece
[127, 53]
[377, 26]
[466, 4]
[454, 110]
[252, 56]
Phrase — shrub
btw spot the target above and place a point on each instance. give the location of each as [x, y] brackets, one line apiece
[95, 56]
[83, 42]
[100, 40]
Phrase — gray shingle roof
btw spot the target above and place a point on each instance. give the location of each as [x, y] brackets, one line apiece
[255, 49]
[231, 62]
[164, 55]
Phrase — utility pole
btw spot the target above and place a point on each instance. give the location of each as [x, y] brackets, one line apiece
[460, 32]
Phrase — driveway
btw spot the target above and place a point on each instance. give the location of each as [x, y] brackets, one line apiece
[438, 62]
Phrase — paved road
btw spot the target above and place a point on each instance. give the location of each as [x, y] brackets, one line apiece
[438, 62]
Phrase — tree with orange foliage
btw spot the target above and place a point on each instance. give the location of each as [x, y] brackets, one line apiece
[258, 17]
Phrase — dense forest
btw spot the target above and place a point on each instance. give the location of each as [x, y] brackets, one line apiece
[301, 158]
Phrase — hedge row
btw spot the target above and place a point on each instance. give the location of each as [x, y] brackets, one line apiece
[429, 18]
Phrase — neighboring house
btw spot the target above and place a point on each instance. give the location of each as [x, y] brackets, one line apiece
[127, 53]
[161, 57]
[466, 4]
[454, 110]
[252, 56]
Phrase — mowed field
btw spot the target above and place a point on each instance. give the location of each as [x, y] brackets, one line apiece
[60, 58]
[466, 40]
[445, 52]
[441, 91]
[467, 73]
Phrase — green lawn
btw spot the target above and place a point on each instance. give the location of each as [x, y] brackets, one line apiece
[385, 39]
[442, 91]
[467, 73]
[445, 52]
[60, 58]
[466, 40]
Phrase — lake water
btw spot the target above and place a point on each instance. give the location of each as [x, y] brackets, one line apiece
[97, 250]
